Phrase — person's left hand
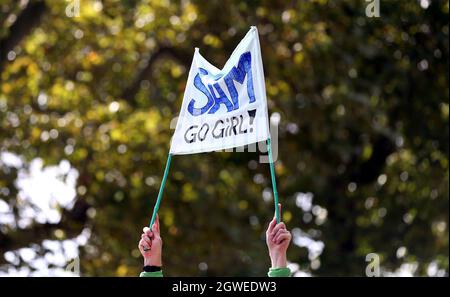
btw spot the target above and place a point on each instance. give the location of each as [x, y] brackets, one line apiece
[278, 239]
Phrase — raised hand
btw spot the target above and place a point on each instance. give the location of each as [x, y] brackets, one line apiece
[278, 239]
[150, 245]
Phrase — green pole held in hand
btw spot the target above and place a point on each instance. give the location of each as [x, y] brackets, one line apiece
[274, 182]
[166, 172]
[161, 190]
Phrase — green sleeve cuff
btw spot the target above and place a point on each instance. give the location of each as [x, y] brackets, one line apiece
[279, 272]
[151, 274]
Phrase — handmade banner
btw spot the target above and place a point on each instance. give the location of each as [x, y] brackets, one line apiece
[223, 108]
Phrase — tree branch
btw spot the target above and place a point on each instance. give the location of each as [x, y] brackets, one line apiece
[72, 223]
[29, 18]
[170, 52]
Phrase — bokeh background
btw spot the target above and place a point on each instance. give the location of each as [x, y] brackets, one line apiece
[86, 99]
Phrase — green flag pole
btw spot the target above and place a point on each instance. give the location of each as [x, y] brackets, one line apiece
[274, 182]
[166, 172]
[161, 190]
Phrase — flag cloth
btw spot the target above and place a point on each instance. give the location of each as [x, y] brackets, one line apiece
[223, 108]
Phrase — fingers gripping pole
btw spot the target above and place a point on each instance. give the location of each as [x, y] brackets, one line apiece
[161, 190]
[274, 182]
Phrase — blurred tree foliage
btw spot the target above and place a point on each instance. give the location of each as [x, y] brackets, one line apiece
[364, 109]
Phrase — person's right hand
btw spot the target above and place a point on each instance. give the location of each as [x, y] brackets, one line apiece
[150, 245]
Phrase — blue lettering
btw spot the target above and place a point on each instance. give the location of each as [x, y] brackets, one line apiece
[238, 74]
[201, 87]
[221, 99]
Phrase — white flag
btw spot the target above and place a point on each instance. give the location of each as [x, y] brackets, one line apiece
[223, 108]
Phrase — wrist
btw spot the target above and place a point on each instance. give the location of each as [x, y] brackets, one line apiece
[278, 260]
[152, 268]
[152, 262]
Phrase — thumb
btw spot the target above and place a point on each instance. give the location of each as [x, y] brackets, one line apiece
[279, 211]
[155, 227]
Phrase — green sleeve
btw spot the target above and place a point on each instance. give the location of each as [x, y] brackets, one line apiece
[151, 274]
[279, 272]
